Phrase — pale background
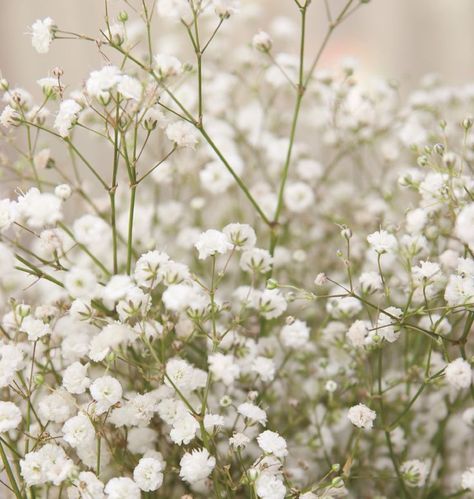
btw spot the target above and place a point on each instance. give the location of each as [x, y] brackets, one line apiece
[399, 39]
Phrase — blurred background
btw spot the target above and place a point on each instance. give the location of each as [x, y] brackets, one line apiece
[397, 39]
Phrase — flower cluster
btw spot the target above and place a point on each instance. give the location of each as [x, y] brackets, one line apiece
[263, 289]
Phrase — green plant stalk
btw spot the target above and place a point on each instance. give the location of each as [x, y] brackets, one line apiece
[11, 476]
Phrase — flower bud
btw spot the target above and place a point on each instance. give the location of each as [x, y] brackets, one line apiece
[467, 123]
[449, 159]
[225, 401]
[290, 320]
[63, 191]
[346, 233]
[57, 72]
[321, 279]
[122, 16]
[337, 482]
[22, 310]
[272, 284]
[262, 42]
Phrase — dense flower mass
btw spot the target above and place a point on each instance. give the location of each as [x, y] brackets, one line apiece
[264, 286]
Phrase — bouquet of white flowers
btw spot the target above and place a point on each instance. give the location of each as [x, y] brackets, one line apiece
[227, 272]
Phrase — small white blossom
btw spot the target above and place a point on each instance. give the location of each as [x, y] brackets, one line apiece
[361, 416]
[196, 465]
[42, 34]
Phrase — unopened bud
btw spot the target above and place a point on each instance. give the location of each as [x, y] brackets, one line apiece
[272, 284]
[337, 482]
[422, 160]
[57, 72]
[262, 42]
[467, 123]
[122, 16]
[449, 159]
[346, 233]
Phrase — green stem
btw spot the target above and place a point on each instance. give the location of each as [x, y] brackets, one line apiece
[11, 476]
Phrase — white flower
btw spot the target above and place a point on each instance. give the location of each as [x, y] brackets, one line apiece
[78, 431]
[459, 373]
[242, 236]
[238, 440]
[35, 328]
[75, 378]
[136, 411]
[48, 464]
[225, 8]
[387, 326]
[253, 413]
[264, 367]
[262, 41]
[42, 34]
[272, 443]
[468, 416]
[269, 486]
[122, 488]
[67, 115]
[10, 416]
[213, 421]
[467, 480]
[88, 486]
[175, 9]
[100, 82]
[184, 428]
[184, 376]
[224, 368]
[215, 178]
[382, 242]
[361, 416]
[9, 117]
[150, 268]
[38, 209]
[464, 225]
[63, 191]
[167, 65]
[295, 335]
[298, 197]
[57, 406]
[90, 230]
[309, 169]
[130, 88]
[196, 465]
[134, 305]
[212, 242]
[106, 391]
[271, 303]
[256, 260]
[148, 474]
[109, 339]
[414, 472]
[358, 334]
[80, 283]
[11, 360]
[182, 134]
[370, 282]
